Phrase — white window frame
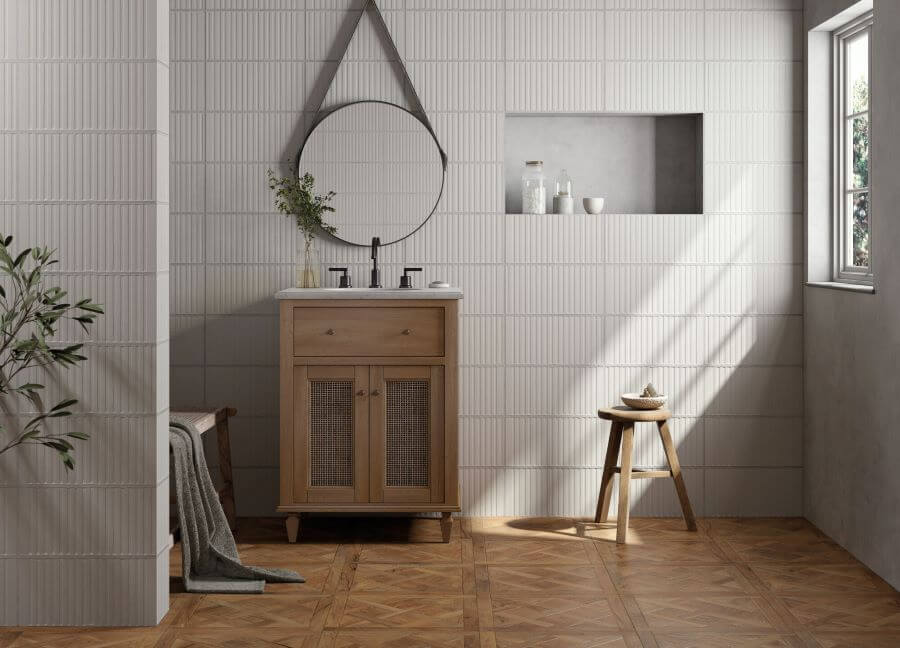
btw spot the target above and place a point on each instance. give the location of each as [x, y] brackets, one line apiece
[842, 234]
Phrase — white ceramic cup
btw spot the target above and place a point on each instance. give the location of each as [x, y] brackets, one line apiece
[593, 205]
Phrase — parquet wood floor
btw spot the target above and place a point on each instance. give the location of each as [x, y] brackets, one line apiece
[535, 583]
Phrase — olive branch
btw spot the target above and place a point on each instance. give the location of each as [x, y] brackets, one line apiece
[30, 314]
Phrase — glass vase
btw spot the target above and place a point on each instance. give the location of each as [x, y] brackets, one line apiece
[308, 264]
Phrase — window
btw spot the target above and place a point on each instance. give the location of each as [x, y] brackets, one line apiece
[853, 131]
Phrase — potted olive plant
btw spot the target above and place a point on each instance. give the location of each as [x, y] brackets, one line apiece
[30, 313]
[294, 197]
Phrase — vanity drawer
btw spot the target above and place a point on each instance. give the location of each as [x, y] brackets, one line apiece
[368, 331]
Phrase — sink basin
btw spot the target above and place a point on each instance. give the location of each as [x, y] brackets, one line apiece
[362, 289]
[369, 293]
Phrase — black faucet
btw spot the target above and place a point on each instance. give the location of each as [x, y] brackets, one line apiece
[406, 279]
[376, 273]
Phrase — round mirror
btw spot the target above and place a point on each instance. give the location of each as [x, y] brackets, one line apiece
[384, 166]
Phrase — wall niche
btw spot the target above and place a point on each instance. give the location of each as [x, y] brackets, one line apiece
[641, 164]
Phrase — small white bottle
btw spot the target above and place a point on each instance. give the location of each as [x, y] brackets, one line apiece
[534, 188]
[564, 201]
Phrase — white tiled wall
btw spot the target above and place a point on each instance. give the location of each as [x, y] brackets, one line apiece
[561, 314]
[84, 169]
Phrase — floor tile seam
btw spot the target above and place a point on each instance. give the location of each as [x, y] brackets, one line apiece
[363, 561]
[614, 595]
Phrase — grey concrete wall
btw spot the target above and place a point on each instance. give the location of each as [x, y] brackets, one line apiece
[852, 351]
[815, 12]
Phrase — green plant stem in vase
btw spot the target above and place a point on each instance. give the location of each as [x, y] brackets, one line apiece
[295, 197]
[308, 272]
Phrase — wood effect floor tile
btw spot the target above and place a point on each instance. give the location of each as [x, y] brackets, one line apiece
[846, 612]
[811, 549]
[404, 529]
[423, 552]
[667, 552]
[642, 530]
[402, 611]
[722, 613]
[421, 579]
[830, 580]
[555, 639]
[404, 638]
[247, 611]
[181, 607]
[792, 567]
[553, 614]
[644, 578]
[316, 576]
[85, 638]
[760, 527]
[276, 553]
[857, 639]
[573, 580]
[559, 529]
[535, 552]
[245, 638]
[725, 640]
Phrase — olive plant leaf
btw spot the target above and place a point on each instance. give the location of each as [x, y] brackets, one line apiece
[30, 314]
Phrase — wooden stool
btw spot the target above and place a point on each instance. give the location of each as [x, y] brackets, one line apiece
[622, 433]
[205, 421]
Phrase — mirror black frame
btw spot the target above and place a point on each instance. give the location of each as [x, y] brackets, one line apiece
[428, 128]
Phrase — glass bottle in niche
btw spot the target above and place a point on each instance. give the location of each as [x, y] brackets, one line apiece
[308, 263]
[534, 188]
[563, 200]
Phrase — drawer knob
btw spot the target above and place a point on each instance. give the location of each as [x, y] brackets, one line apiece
[406, 331]
[375, 392]
[329, 332]
[361, 392]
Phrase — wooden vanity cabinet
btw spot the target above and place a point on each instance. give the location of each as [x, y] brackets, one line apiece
[369, 407]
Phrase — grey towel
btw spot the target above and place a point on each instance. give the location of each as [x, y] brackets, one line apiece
[209, 556]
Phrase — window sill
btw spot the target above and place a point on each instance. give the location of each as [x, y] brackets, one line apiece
[849, 287]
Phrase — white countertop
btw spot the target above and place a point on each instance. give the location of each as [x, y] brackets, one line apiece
[370, 293]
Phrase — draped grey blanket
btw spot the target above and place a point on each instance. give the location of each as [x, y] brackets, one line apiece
[209, 555]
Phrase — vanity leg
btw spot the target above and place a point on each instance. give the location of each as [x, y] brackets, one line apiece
[292, 524]
[446, 526]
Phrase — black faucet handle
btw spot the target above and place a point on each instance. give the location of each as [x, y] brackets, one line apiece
[406, 280]
[345, 278]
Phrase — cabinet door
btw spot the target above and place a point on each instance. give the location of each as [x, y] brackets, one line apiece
[407, 434]
[331, 434]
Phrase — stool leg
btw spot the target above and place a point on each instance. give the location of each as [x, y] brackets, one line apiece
[612, 452]
[624, 481]
[675, 467]
[224, 440]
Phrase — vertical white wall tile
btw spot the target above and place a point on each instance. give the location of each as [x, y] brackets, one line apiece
[85, 169]
[654, 35]
[561, 314]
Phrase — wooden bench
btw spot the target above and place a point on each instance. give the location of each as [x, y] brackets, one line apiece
[205, 421]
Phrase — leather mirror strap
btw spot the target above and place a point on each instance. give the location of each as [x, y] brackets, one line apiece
[419, 109]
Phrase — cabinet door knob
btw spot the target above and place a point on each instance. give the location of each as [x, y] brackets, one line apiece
[361, 392]
[375, 392]
[406, 331]
[329, 332]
